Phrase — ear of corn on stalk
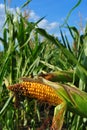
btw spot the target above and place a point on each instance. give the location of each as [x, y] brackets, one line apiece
[60, 95]
[45, 93]
[37, 90]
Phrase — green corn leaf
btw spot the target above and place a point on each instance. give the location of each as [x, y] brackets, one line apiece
[67, 17]
[75, 99]
[79, 99]
[61, 76]
[25, 4]
[6, 105]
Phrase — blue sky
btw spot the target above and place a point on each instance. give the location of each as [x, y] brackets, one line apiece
[54, 10]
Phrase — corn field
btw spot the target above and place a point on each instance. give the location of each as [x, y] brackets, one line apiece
[29, 52]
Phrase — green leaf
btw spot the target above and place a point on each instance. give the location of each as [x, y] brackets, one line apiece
[67, 17]
[6, 105]
[25, 4]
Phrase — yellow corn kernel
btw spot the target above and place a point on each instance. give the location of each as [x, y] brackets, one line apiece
[38, 91]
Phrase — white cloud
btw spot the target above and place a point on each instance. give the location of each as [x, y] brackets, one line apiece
[48, 26]
[33, 15]
[1, 6]
[53, 25]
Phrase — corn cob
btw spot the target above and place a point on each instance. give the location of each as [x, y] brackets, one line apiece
[36, 90]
